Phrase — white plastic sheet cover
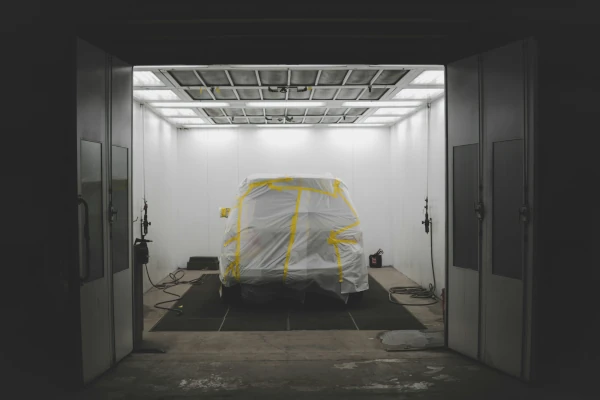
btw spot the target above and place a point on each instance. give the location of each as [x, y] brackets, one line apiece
[302, 231]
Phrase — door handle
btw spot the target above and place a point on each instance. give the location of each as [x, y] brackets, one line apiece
[86, 236]
[112, 213]
[478, 207]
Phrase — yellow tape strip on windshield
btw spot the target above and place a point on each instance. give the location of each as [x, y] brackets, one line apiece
[292, 235]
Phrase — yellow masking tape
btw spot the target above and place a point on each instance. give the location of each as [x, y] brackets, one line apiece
[237, 246]
[339, 262]
[292, 235]
[230, 240]
[333, 240]
[280, 188]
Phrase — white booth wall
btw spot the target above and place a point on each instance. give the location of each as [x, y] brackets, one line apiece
[212, 162]
[189, 174]
[418, 170]
[155, 168]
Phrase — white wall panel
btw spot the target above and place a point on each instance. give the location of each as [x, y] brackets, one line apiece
[411, 158]
[156, 150]
[212, 163]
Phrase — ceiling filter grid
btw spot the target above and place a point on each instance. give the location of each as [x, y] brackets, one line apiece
[287, 95]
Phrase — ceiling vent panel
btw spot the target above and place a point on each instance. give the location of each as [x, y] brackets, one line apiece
[390, 77]
[186, 78]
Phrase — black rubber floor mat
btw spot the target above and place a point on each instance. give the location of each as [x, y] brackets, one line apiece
[203, 311]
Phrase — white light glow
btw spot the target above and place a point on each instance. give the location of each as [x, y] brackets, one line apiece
[381, 103]
[155, 95]
[393, 111]
[418, 93]
[381, 120]
[211, 126]
[192, 104]
[285, 104]
[430, 78]
[353, 125]
[193, 121]
[146, 78]
[284, 125]
[178, 112]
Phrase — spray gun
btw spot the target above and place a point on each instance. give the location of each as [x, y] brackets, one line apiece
[427, 221]
[141, 245]
[145, 222]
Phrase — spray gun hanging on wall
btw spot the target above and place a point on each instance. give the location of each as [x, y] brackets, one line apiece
[427, 221]
[142, 254]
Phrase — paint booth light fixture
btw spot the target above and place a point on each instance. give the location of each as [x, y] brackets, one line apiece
[430, 78]
[192, 104]
[285, 104]
[393, 111]
[186, 121]
[380, 120]
[353, 125]
[146, 78]
[177, 112]
[362, 104]
[284, 125]
[150, 95]
[423, 94]
[224, 126]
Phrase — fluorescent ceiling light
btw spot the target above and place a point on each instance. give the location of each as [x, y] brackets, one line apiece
[155, 95]
[193, 104]
[285, 66]
[146, 67]
[211, 126]
[379, 120]
[284, 125]
[178, 112]
[393, 111]
[146, 78]
[418, 93]
[430, 78]
[353, 125]
[193, 121]
[285, 104]
[381, 103]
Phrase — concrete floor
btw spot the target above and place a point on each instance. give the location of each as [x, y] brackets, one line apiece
[300, 364]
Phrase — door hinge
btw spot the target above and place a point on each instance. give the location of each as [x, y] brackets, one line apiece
[478, 207]
[524, 213]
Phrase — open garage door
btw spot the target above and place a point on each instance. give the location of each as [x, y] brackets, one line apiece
[490, 163]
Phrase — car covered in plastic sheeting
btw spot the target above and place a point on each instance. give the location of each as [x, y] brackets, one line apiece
[292, 235]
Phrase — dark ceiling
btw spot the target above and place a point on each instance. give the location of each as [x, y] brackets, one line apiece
[250, 32]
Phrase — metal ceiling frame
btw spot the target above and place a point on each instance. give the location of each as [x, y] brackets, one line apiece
[269, 117]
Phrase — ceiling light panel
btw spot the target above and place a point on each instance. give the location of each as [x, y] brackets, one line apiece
[381, 104]
[430, 78]
[379, 120]
[193, 104]
[194, 121]
[211, 126]
[150, 95]
[418, 93]
[393, 111]
[341, 125]
[178, 112]
[285, 104]
[146, 78]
